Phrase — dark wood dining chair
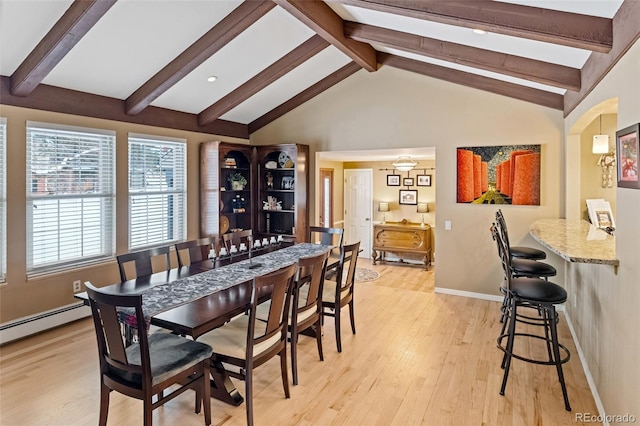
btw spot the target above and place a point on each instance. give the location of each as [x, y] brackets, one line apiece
[235, 238]
[193, 251]
[338, 291]
[143, 261]
[150, 366]
[306, 307]
[248, 342]
[328, 236]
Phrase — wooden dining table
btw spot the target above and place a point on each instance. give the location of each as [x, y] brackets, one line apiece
[193, 300]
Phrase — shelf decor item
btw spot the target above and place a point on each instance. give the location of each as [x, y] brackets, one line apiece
[238, 181]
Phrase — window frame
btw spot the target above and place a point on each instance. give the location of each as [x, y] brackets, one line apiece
[95, 247]
[176, 207]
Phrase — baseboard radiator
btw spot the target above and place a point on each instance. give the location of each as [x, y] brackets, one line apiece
[26, 326]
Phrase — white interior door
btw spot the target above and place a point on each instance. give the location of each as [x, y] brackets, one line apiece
[358, 187]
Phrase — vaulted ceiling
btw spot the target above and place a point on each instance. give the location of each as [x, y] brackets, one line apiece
[149, 61]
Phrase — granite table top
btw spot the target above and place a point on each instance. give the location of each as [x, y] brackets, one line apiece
[575, 240]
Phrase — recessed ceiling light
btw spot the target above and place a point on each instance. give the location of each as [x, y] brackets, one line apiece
[479, 31]
[212, 78]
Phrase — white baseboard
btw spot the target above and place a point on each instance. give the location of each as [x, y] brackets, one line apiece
[483, 296]
[33, 324]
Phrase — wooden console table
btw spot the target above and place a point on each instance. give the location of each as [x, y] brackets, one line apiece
[402, 238]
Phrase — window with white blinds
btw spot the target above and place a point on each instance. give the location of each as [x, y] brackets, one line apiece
[157, 190]
[70, 196]
[3, 200]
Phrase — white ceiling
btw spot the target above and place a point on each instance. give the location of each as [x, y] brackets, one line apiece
[136, 38]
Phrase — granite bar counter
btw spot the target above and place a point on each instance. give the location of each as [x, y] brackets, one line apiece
[575, 240]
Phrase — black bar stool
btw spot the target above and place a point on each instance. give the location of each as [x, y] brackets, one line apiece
[517, 252]
[533, 293]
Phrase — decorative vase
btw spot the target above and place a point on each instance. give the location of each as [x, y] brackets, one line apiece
[236, 185]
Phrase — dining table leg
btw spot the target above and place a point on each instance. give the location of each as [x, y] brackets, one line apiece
[222, 388]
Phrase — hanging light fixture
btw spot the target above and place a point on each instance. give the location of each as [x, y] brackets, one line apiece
[404, 164]
[600, 142]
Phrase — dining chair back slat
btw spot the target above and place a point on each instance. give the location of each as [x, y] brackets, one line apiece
[197, 250]
[143, 261]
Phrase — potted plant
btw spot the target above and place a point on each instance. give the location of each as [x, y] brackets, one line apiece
[238, 182]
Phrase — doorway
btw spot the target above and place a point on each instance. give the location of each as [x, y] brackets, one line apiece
[358, 188]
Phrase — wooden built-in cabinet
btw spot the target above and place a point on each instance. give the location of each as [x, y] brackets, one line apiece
[274, 200]
[223, 206]
[283, 185]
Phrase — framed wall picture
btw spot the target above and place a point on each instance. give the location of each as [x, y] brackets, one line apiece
[407, 182]
[409, 197]
[393, 180]
[424, 180]
[627, 153]
[501, 174]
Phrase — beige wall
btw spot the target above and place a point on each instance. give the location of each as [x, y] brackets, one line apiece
[20, 296]
[590, 172]
[603, 303]
[392, 108]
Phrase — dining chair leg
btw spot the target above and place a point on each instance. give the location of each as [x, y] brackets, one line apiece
[206, 393]
[294, 355]
[248, 400]
[148, 411]
[198, 406]
[352, 317]
[104, 404]
[283, 372]
[319, 337]
[337, 322]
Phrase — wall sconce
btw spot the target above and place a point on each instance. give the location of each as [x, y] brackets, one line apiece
[384, 208]
[607, 159]
[404, 164]
[423, 208]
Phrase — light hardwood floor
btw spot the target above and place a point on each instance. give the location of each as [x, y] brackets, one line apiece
[417, 358]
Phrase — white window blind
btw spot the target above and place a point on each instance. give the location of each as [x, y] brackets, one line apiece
[3, 200]
[70, 196]
[157, 190]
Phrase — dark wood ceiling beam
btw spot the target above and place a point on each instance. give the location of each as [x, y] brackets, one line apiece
[528, 94]
[515, 66]
[270, 74]
[551, 26]
[318, 16]
[626, 31]
[81, 16]
[66, 101]
[206, 46]
[304, 96]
